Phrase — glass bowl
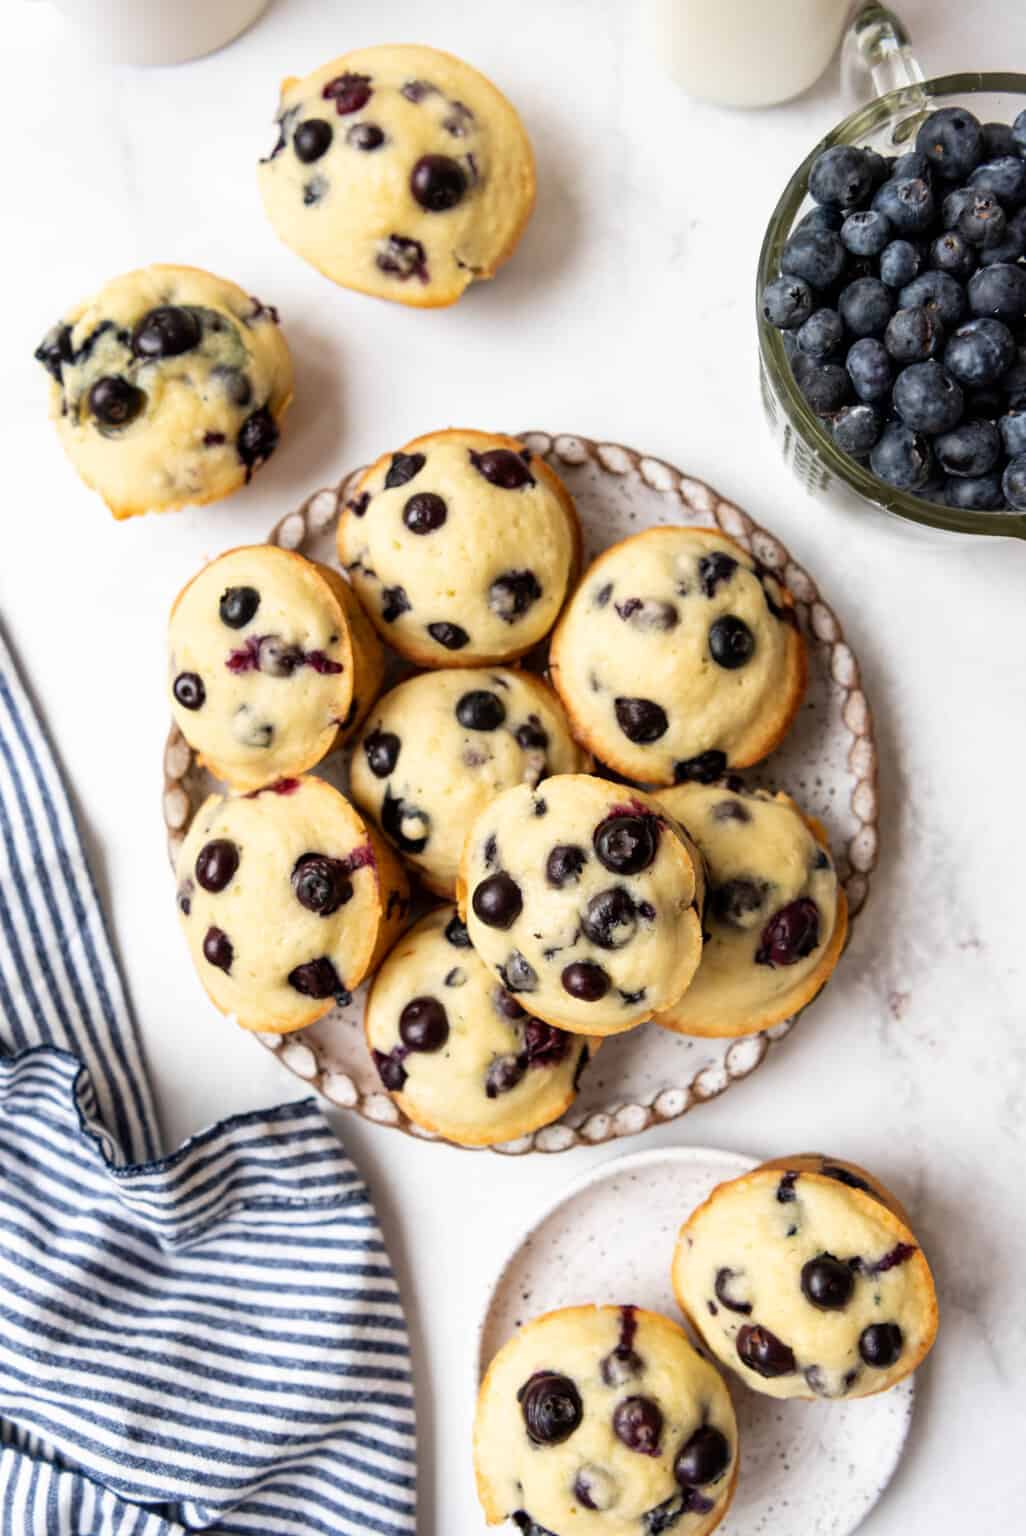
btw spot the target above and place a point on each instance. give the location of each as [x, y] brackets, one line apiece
[887, 124]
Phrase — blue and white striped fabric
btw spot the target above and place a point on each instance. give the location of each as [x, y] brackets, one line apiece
[211, 1341]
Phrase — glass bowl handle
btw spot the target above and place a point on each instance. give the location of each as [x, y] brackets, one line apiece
[877, 53]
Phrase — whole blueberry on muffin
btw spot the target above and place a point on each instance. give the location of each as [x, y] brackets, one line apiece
[168, 388]
[461, 1055]
[775, 915]
[604, 1421]
[399, 171]
[805, 1278]
[678, 658]
[461, 546]
[271, 663]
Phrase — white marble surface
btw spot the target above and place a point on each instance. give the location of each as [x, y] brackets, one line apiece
[626, 314]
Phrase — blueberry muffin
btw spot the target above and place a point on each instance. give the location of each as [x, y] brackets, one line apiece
[457, 1051]
[287, 900]
[604, 1421]
[439, 747]
[678, 658]
[461, 547]
[168, 388]
[775, 916]
[583, 897]
[271, 663]
[400, 172]
[805, 1278]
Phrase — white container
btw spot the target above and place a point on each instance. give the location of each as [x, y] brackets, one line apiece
[158, 31]
[748, 53]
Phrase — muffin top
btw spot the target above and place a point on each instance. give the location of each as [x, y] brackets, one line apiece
[604, 1421]
[458, 1051]
[399, 171]
[677, 657]
[803, 1276]
[167, 388]
[461, 547]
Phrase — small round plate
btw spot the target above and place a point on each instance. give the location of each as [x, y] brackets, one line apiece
[828, 762]
[814, 1467]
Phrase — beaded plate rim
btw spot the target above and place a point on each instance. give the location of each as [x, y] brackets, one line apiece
[743, 1055]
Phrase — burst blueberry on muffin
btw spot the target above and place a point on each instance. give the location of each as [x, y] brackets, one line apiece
[168, 388]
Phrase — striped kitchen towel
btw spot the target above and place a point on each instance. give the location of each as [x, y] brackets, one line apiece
[211, 1341]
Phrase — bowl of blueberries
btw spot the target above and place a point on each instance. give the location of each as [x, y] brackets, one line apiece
[892, 306]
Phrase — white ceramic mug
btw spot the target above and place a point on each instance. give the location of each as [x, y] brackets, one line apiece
[748, 53]
[159, 31]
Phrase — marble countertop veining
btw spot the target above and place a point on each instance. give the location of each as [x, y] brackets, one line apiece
[626, 314]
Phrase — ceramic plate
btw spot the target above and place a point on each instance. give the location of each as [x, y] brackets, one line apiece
[811, 1467]
[827, 762]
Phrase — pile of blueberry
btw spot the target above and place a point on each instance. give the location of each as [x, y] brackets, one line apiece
[902, 299]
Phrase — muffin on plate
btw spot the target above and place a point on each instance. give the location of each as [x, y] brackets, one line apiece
[436, 749]
[168, 389]
[399, 171]
[775, 916]
[604, 1421]
[271, 663]
[583, 897]
[805, 1278]
[461, 547]
[457, 1051]
[287, 899]
[678, 658]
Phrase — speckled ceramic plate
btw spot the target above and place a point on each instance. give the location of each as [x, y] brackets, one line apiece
[814, 1468]
[827, 762]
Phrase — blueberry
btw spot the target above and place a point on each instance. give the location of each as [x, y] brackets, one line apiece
[257, 439]
[908, 204]
[822, 333]
[451, 636]
[979, 352]
[349, 92]
[55, 350]
[166, 332]
[640, 720]
[980, 493]
[982, 221]
[438, 182]
[866, 306]
[734, 900]
[497, 900]
[954, 205]
[504, 468]
[870, 370]
[531, 736]
[365, 136]
[406, 826]
[551, 1406]
[787, 302]
[827, 1283]
[423, 1024]
[402, 257]
[763, 1352]
[626, 844]
[722, 1285]
[714, 569]
[928, 398]
[913, 335]
[841, 177]
[403, 468]
[880, 166]
[585, 981]
[425, 512]
[856, 429]
[503, 1075]
[790, 935]
[321, 884]
[939, 292]
[115, 402]
[1013, 481]
[610, 919]
[564, 864]
[703, 1458]
[391, 1071]
[594, 1488]
[316, 978]
[238, 606]
[866, 233]
[821, 217]
[998, 140]
[512, 594]
[1019, 132]
[544, 1044]
[999, 292]
[951, 252]
[216, 864]
[899, 263]
[902, 458]
[706, 768]
[189, 690]
[480, 710]
[218, 950]
[1010, 247]
[1004, 178]
[731, 642]
[1012, 428]
[972, 448]
[456, 933]
[381, 749]
[910, 165]
[816, 256]
[880, 1344]
[638, 1424]
[394, 603]
[826, 386]
[312, 139]
[952, 141]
